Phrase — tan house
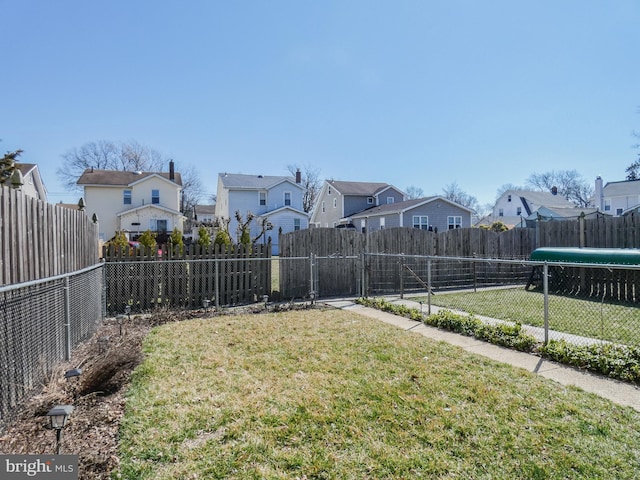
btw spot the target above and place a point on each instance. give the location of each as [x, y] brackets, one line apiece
[133, 202]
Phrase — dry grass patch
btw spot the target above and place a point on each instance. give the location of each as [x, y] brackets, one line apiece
[330, 394]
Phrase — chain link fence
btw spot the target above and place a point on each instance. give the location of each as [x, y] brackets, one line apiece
[580, 303]
[41, 322]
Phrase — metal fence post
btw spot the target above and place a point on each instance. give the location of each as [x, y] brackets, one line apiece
[311, 282]
[67, 320]
[216, 282]
[545, 291]
[429, 286]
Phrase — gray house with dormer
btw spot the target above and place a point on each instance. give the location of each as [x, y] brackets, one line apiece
[338, 201]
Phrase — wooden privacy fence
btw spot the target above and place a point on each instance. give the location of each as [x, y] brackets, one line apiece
[369, 259]
[222, 276]
[40, 240]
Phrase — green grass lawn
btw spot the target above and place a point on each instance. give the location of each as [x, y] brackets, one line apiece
[331, 394]
[588, 318]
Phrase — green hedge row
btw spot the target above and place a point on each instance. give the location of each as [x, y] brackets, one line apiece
[615, 361]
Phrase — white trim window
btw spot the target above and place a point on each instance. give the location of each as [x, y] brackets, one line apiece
[126, 197]
[287, 199]
[454, 222]
[369, 200]
[155, 196]
[421, 222]
[263, 198]
[607, 204]
[390, 200]
[296, 224]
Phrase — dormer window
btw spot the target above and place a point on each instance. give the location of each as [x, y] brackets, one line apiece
[369, 200]
[390, 200]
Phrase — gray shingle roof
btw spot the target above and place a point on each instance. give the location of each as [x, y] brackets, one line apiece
[358, 188]
[623, 188]
[238, 180]
[117, 178]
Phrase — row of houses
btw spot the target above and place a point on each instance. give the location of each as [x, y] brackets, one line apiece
[138, 201]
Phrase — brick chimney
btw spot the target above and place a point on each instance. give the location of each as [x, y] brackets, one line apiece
[298, 176]
[172, 174]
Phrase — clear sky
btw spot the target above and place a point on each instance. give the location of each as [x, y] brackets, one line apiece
[409, 92]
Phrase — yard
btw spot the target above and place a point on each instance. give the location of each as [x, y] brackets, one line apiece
[331, 394]
[591, 318]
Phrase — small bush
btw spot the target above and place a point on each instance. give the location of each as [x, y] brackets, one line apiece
[615, 361]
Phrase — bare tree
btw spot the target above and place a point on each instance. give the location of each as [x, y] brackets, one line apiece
[414, 192]
[192, 189]
[570, 184]
[506, 187]
[454, 193]
[105, 155]
[310, 177]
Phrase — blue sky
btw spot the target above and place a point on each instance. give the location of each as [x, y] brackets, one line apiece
[413, 93]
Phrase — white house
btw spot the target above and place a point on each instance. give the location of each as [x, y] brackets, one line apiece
[32, 184]
[133, 202]
[514, 206]
[616, 198]
[277, 199]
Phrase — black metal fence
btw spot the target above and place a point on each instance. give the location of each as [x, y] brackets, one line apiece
[40, 324]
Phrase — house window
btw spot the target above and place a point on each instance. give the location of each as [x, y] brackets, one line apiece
[296, 224]
[335, 203]
[501, 212]
[323, 209]
[519, 211]
[421, 222]
[155, 196]
[160, 226]
[369, 200]
[287, 198]
[607, 205]
[390, 200]
[382, 223]
[454, 222]
[618, 211]
[329, 191]
[126, 197]
[263, 198]
[363, 226]
[508, 198]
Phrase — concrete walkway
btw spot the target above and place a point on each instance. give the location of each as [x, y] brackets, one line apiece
[618, 392]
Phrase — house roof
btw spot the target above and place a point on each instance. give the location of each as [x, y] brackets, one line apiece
[561, 212]
[149, 207]
[401, 207]
[205, 209]
[531, 197]
[622, 188]
[25, 168]
[287, 208]
[115, 178]
[358, 188]
[253, 182]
